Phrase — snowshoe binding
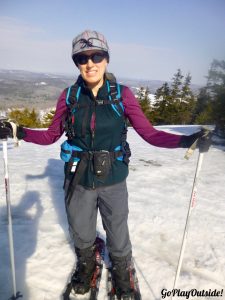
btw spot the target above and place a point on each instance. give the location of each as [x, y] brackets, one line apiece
[86, 277]
[122, 280]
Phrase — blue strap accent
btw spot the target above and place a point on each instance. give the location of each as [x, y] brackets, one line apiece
[108, 86]
[77, 96]
[118, 148]
[114, 108]
[76, 148]
[67, 150]
[119, 96]
[118, 90]
[110, 98]
[78, 93]
[67, 95]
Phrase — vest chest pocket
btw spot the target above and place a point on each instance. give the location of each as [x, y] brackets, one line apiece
[81, 120]
[107, 121]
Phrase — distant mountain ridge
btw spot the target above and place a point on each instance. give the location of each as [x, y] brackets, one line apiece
[20, 88]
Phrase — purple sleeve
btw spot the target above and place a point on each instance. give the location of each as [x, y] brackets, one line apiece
[143, 127]
[55, 130]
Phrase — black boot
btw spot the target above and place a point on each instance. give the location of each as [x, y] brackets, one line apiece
[122, 277]
[85, 267]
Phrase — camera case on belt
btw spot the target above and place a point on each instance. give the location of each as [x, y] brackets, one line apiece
[102, 163]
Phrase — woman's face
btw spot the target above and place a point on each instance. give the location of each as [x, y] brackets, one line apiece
[93, 73]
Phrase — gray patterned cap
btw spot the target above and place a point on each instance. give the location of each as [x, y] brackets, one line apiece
[89, 40]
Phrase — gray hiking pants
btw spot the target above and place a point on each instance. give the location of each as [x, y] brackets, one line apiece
[112, 203]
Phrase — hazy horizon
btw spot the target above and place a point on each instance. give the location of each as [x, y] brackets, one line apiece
[147, 39]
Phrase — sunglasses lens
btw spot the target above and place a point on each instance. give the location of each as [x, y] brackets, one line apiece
[97, 57]
[82, 59]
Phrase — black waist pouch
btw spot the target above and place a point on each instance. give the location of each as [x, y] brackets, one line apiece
[102, 164]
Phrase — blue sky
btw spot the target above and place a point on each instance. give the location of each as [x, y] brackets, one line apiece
[148, 39]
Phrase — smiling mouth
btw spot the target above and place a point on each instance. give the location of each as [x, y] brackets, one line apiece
[91, 72]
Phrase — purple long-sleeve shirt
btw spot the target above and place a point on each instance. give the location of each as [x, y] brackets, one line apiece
[132, 111]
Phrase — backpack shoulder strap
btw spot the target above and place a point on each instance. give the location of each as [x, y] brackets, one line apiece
[114, 94]
[72, 96]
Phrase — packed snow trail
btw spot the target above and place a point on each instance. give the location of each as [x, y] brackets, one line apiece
[159, 186]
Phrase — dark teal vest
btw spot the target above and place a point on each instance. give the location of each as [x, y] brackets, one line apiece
[96, 128]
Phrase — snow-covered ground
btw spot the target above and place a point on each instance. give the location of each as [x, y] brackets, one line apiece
[159, 183]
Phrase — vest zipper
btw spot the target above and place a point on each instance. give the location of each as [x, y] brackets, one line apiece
[92, 138]
[92, 144]
[93, 124]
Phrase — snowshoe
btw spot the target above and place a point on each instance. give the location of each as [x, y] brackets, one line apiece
[84, 283]
[122, 280]
[85, 267]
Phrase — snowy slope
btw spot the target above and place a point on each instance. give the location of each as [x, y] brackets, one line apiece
[159, 184]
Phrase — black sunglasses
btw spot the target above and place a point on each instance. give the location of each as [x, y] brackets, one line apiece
[96, 58]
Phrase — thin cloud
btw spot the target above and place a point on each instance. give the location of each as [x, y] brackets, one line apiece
[9, 27]
[141, 61]
[26, 47]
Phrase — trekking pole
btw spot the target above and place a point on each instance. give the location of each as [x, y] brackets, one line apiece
[16, 294]
[191, 206]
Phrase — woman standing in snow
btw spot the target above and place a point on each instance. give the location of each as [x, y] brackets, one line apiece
[93, 114]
